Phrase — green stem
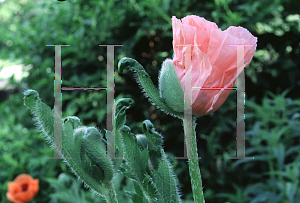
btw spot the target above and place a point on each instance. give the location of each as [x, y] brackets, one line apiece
[191, 146]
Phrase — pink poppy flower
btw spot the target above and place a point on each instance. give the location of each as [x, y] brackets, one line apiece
[213, 61]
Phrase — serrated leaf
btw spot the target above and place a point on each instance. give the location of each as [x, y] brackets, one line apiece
[119, 151]
[165, 182]
[45, 119]
[125, 170]
[150, 187]
[138, 196]
[266, 196]
[135, 159]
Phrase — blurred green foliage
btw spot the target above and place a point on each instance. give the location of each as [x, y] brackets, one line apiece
[145, 31]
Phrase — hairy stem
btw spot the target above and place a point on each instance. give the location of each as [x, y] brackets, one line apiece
[194, 170]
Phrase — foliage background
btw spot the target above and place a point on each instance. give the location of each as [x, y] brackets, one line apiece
[144, 29]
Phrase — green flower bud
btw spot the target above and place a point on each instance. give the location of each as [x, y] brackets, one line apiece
[82, 146]
[30, 92]
[154, 152]
[78, 132]
[154, 137]
[95, 150]
[170, 89]
[75, 121]
[143, 142]
[30, 97]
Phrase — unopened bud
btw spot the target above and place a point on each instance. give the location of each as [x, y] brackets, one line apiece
[170, 89]
[95, 149]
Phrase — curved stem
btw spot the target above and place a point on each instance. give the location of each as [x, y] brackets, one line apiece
[194, 170]
[147, 84]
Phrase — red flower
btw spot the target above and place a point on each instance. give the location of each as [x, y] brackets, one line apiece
[22, 189]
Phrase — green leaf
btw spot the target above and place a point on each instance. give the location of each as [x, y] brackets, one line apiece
[150, 188]
[138, 197]
[137, 162]
[44, 117]
[156, 140]
[135, 159]
[154, 137]
[121, 106]
[125, 170]
[119, 151]
[73, 145]
[290, 190]
[120, 118]
[165, 182]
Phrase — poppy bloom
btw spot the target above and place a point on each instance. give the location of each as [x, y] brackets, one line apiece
[22, 189]
[213, 60]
